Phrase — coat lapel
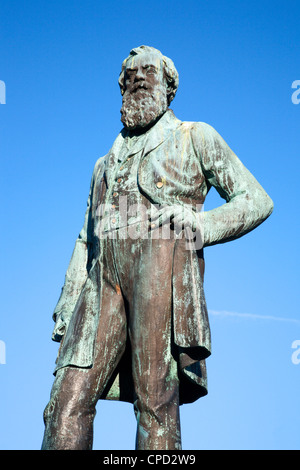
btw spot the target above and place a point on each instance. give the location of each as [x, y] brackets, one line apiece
[161, 131]
[113, 154]
[155, 136]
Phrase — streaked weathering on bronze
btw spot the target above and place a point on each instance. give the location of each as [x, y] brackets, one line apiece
[132, 317]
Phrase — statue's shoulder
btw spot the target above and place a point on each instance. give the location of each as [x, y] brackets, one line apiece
[99, 166]
[198, 126]
[100, 162]
[202, 134]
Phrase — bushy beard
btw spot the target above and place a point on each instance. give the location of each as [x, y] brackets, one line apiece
[141, 107]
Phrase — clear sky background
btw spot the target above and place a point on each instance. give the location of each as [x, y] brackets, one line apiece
[237, 60]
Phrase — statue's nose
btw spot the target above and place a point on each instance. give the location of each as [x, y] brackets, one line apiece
[140, 75]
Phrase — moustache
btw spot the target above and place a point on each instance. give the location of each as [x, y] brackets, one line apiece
[139, 86]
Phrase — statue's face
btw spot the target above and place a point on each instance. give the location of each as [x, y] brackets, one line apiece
[144, 71]
[145, 96]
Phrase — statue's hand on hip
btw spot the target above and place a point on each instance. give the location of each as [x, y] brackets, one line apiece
[178, 215]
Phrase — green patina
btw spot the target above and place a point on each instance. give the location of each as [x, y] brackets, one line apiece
[151, 287]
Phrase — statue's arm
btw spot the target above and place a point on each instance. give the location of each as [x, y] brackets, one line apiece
[247, 204]
[77, 271]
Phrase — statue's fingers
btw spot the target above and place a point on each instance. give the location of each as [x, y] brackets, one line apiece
[166, 216]
[178, 219]
[158, 213]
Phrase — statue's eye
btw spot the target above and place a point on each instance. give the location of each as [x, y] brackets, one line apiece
[151, 70]
[130, 72]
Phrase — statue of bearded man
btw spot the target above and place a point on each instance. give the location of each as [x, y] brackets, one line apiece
[132, 318]
[144, 87]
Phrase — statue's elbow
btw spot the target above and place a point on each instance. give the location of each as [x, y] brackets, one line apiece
[269, 206]
[266, 207]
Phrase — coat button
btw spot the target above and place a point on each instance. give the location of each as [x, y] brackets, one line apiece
[159, 184]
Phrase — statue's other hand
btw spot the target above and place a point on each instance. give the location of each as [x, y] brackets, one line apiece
[59, 329]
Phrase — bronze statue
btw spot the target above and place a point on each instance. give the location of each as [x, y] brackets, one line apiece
[132, 316]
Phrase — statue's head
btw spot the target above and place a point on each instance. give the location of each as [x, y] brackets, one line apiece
[148, 83]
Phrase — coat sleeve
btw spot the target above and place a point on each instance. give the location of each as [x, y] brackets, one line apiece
[247, 204]
[77, 271]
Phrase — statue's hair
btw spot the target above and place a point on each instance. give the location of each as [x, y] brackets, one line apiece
[170, 71]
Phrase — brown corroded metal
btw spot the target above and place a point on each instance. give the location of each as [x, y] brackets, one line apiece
[132, 317]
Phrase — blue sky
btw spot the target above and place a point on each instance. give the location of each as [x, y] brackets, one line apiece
[237, 61]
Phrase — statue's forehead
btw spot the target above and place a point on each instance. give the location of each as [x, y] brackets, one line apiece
[148, 58]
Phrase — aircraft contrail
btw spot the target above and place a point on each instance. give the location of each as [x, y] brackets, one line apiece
[252, 315]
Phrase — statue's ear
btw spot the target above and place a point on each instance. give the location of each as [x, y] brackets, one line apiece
[121, 81]
[169, 88]
[170, 93]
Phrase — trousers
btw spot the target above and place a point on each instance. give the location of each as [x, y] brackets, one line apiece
[139, 271]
